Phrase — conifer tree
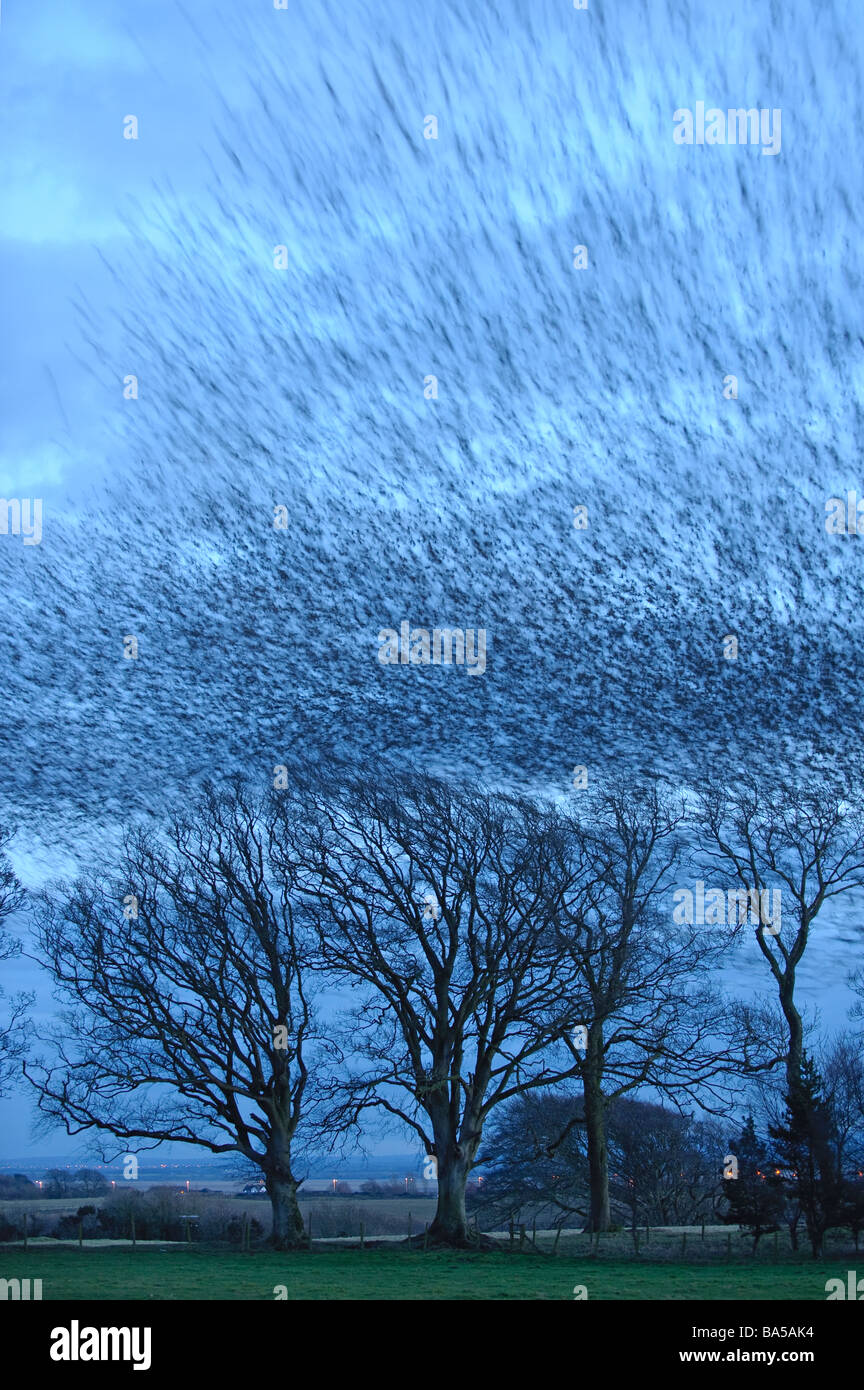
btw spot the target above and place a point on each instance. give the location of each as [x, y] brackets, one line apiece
[806, 1155]
[754, 1197]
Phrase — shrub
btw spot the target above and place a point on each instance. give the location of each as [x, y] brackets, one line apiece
[329, 1220]
[12, 1225]
[86, 1218]
[17, 1185]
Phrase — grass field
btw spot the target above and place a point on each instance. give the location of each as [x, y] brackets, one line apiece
[399, 1274]
[339, 1211]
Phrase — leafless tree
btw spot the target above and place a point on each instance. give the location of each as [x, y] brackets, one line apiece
[11, 1036]
[187, 1017]
[666, 1165]
[63, 1182]
[434, 901]
[663, 1164]
[842, 1071]
[57, 1182]
[805, 838]
[650, 1007]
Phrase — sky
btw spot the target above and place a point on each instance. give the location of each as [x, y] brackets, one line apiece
[70, 73]
[410, 256]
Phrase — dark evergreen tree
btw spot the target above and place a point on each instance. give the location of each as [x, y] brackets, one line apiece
[806, 1155]
[754, 1198]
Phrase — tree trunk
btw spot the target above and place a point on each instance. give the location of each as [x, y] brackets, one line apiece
[288, 1231]
[450, 1226]
[795, 1053]
[598, 1155]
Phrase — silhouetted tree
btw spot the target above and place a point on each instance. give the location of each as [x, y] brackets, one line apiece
[804, 838]
[435, 903]
[754, 1198]
[663, 1165]
[11, 1037]
[188, 1017]
[647, 998]
[806, 1154]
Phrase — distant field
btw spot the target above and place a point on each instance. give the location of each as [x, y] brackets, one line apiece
[55, 1206]
[330, 1215]
[398, 1274]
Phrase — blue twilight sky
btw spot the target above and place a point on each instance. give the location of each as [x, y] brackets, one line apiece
[556, 127]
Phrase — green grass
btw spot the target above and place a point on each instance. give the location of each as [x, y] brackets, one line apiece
[398, 1274]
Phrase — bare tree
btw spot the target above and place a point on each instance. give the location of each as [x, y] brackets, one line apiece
[188, 1016]
[434, 901]
[519, 1171]
[805, 839]
[666, 1165]
[842, 1070]
[651, 1011]
[63, 1182]
[11, 899]
[91, 1182]
[663, 1164]
[57, 1182]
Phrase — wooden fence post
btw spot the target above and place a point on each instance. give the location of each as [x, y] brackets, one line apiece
[26, 1222]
